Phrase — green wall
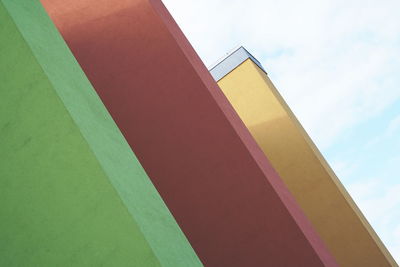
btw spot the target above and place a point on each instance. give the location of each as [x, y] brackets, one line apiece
[72, 193]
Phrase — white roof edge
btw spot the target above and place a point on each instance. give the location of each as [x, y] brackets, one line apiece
[231, 61]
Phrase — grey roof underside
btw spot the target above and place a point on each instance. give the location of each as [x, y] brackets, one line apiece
[232, 61]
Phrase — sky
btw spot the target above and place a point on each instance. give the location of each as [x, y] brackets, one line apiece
[337, 64]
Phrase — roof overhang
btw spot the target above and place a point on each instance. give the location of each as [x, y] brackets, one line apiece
[231, 61]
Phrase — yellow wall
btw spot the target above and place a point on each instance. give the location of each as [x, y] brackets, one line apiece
[319, 193]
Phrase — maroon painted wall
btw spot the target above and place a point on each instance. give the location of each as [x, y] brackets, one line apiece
[219, 186]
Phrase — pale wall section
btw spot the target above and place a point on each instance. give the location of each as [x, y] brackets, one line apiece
[324, 200]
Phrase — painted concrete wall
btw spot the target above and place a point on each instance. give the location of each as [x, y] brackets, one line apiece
[71, 191]
[227, 199]
[297, 160]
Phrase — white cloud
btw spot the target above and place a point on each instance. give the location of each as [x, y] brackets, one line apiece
[391, 131]
[394, 127]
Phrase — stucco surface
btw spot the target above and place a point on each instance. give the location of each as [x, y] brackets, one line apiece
[299, 163]
[72, 192]
[228, 200]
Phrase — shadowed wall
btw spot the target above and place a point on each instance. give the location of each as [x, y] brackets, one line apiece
[226, 197]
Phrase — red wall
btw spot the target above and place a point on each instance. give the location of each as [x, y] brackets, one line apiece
[217, 183]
